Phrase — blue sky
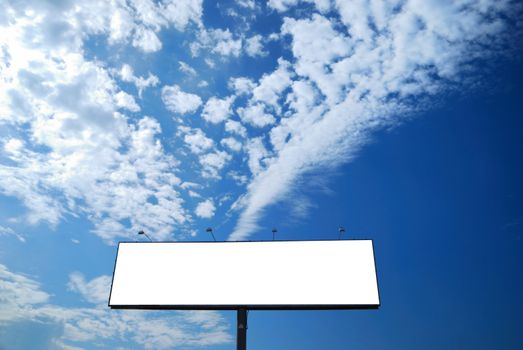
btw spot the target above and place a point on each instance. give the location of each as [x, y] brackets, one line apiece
[400, 121]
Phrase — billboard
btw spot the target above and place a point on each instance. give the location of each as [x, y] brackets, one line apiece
[337, 274]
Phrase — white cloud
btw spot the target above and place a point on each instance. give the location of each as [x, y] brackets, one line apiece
[14, 146]
[284, 5]
[249, 4]
[254, 46]
[235, 127]
[96, 162]
[238, 178]
[149, 14]
[231, 143]
[19, 295]
[255, 115]
[146, 39]
[211, 160]
[218, 41]
[224, 199]
[182, 12]
[197, 141]
[303, 97]
[225, 43]
[213, 163]
[303, 101]
[205, 209]
[393, 55]
[217, 110]
[23, 299]
[121, 25]
[7, 231]
[187, 69]
[271, 86]
[241, 85]
[274, 36]
[124, 100]
[258, 154]
[126, 73]
[145, 172]
[139, 21]
[317, 44]
[187, 184]
[61, 345]
[95, 291]
[193, 194]
[69, 149]
[209, 62]
[179, 101]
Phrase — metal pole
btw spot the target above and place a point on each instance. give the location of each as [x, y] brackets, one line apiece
[209, 229]
[241, 330]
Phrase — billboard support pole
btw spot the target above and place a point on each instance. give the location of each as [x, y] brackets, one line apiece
[241, 329]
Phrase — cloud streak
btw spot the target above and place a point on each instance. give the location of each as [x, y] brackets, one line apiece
[360, 70]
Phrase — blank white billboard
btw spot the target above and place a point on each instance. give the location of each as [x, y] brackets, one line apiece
[255, 275]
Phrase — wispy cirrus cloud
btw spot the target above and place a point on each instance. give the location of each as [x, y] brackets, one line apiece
[7, 231]
[359, 68]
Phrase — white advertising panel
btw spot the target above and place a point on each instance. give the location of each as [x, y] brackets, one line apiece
[255, 275]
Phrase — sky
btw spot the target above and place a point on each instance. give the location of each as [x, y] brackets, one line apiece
[399, 120]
